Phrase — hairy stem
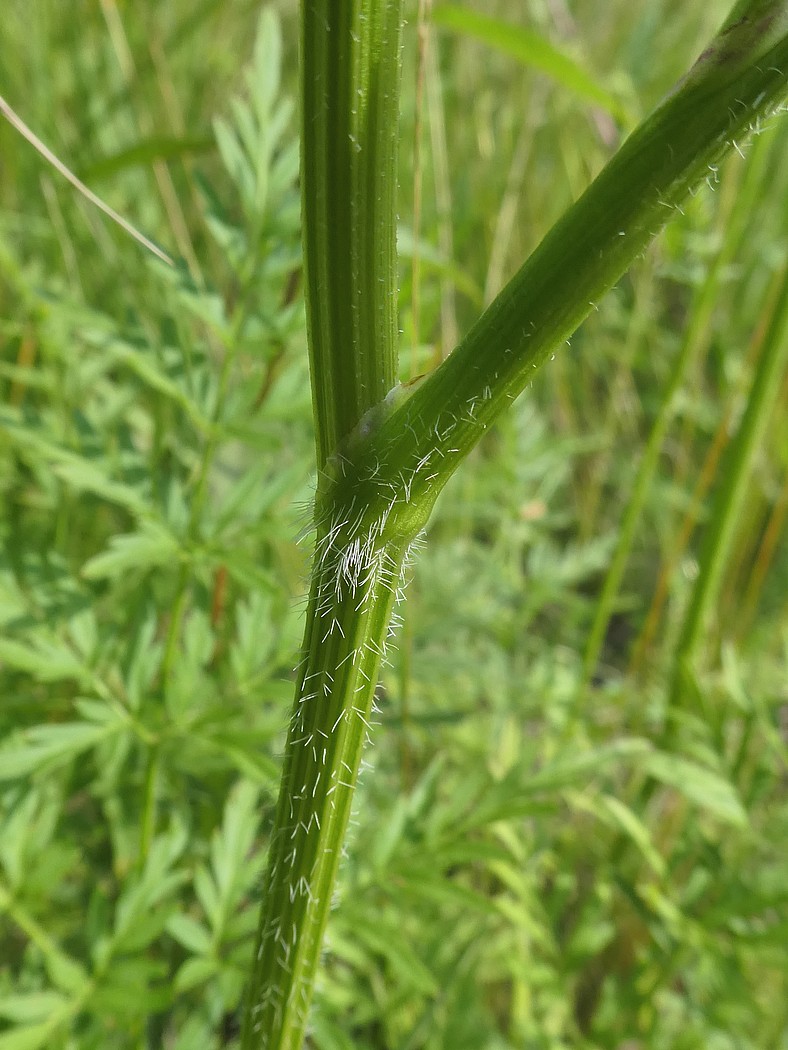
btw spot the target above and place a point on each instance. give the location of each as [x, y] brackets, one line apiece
[384, 452]
[350, 86]
[585, 253]
[353, 589]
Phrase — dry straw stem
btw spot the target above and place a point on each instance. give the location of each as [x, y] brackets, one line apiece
[383, 457]
[16, 122]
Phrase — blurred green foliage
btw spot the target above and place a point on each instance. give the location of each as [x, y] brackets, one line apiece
[528, 869]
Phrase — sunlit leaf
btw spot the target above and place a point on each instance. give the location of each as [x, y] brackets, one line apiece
[532, 49]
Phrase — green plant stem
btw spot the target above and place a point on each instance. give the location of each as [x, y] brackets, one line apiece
[734, 475]
[198, 501]
[383, 453]
[349, 611]
[148, 817]
[423, 440]
[350, 84]
[729, 498]
[350, 81]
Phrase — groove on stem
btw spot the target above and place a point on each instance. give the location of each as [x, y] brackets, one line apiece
[350, 84]
[354, 587]
[382, 468]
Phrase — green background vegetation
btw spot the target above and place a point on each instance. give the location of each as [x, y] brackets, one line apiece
[514, 877]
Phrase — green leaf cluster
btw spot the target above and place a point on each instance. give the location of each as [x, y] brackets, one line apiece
[151, 462]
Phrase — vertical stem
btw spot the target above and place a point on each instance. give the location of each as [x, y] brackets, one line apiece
[418, 136]
[349, 610]
[350, 90]
[350, 85]
[439, 155]
[766, 550]
[148, 818]
[729, 498]
[694, 346]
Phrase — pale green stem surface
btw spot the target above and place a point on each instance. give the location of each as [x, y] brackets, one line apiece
[384, 452]
[729, 498]
[350, 88]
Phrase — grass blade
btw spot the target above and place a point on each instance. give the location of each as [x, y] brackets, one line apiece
[533, 50]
